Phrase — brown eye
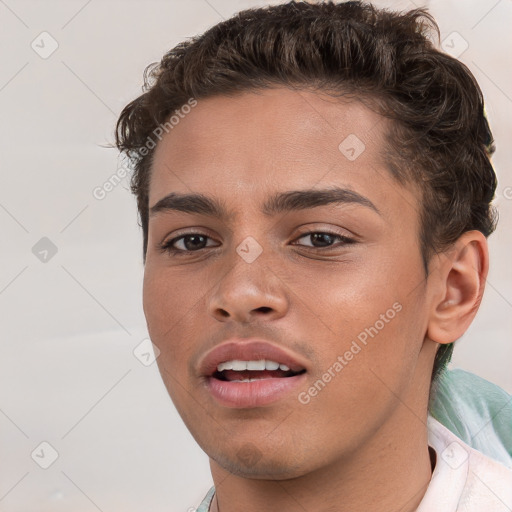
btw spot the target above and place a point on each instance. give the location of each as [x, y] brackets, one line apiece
[320, 239]
[191, 242]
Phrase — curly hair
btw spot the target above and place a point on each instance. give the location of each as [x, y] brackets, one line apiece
[439, 138]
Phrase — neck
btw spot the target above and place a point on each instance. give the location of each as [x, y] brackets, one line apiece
[391, 471]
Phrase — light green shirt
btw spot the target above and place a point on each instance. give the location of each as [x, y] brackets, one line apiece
[476, 411]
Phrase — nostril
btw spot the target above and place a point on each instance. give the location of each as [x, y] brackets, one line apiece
[264, 309]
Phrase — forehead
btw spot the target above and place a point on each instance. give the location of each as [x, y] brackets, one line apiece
[247, 145]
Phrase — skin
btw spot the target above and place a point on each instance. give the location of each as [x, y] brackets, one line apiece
[362, 441]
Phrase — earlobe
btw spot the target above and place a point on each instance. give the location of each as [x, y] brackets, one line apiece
[461, 282]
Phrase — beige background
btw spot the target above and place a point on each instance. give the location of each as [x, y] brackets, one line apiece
[68, 375]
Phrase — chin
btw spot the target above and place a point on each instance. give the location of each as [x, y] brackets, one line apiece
[249, 462]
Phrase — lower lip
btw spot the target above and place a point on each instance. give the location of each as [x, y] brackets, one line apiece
[252, 394]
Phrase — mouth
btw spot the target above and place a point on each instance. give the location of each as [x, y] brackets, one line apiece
[244, 374]
[250, 371]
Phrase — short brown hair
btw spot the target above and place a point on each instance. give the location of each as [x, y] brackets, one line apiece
[439, 140]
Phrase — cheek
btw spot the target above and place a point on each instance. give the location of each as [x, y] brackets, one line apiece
[375, 322]
[364, 374]
[168, 297]
[348, 300]
[169, 308]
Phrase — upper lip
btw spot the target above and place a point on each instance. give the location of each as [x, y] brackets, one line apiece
[248, 350]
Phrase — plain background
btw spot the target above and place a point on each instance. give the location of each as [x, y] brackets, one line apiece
[70, 324]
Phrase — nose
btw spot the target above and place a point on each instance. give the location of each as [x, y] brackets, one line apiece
[248, 292]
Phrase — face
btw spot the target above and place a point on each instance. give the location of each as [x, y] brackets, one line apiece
[327, 282]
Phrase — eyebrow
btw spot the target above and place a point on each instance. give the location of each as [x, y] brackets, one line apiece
[279, 203]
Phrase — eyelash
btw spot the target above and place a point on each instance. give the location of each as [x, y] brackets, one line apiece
[168, 245]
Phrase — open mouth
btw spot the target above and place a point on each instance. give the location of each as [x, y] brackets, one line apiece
[245, 373]
[250, 371]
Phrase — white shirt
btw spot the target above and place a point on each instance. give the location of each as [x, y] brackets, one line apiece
[464, 480]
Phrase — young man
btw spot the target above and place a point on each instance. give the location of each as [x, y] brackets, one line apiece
[314, 187]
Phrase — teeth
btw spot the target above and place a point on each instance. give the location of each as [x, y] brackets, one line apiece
[246, 380]
[240, 366]
[228, 365]
[256, 365]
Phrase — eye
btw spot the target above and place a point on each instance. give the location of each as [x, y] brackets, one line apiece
[325, 239]
[194, 242]
[191, 242]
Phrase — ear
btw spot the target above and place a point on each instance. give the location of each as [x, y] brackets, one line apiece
[459, 284]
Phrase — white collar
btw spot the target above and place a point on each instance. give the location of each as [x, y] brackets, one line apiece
[451, 470]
